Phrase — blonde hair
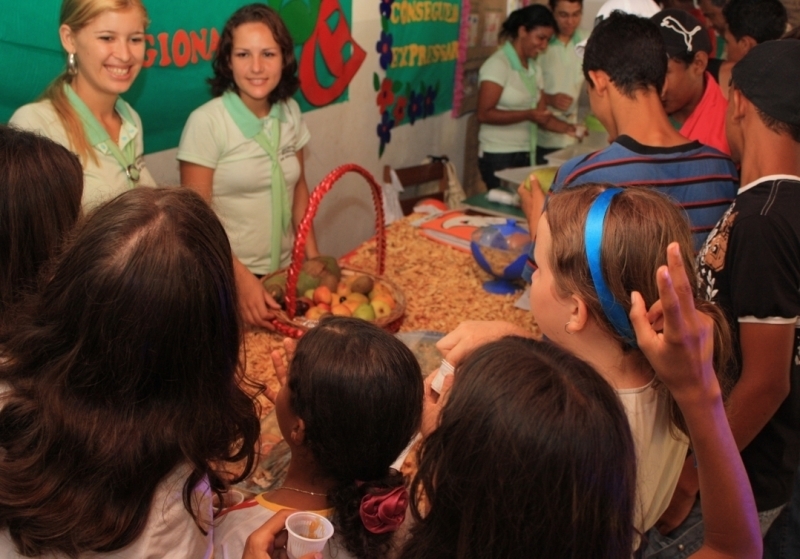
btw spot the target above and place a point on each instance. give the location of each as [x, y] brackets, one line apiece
[76, 14]
[639, 226]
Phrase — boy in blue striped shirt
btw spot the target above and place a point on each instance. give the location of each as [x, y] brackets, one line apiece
[625, 64]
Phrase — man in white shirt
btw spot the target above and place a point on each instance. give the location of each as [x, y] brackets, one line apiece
[563, 75]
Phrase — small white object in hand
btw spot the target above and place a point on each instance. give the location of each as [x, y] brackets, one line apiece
[308, 533]
[501, 196]
[445, 369]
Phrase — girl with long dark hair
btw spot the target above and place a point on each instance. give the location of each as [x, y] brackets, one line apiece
[121, 377]
[41, 183]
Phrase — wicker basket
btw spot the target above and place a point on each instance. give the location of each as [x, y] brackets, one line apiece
[285, 322]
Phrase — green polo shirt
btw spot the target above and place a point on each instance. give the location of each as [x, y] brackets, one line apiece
[241, 188]
[104, 179]
[508, 138]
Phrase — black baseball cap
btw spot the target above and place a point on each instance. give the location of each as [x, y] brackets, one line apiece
[769, 75]
[682, 33]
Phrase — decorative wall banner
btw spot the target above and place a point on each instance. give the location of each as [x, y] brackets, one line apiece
[418, 49]
[181, 40]
[468, 23]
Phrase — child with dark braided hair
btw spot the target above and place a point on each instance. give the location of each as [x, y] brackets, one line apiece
[350, 404]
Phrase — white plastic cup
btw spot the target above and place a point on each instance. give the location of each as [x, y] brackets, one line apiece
[308, 533]
[445, 369]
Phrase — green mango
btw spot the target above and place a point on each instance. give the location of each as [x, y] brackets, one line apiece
[305, 282]
[277, 279]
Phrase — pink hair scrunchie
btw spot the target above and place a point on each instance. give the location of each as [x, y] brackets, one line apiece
[384, 512]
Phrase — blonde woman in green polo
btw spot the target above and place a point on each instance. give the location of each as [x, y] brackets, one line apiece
[82, 109]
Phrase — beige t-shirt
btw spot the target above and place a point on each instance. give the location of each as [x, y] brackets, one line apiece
[103, 180]
[242, 184]
[170, 533]
[659, 454]
[234, 526]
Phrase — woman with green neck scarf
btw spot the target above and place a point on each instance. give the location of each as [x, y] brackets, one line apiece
[242, 152]
[511, 100]
[82, 109]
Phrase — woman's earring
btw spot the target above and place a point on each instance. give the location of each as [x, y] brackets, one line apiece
[72, 64]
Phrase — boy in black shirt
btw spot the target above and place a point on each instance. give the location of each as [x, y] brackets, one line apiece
[750, 266]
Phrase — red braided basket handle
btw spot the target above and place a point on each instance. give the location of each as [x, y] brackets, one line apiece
[298, 253]
[286, 330]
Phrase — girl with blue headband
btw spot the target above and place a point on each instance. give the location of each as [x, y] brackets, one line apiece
[594, 246]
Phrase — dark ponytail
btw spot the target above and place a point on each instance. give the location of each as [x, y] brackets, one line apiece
[528, 17]
[346, 501]
[358, 390]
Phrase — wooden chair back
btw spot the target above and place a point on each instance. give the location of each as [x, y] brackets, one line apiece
[417, 175]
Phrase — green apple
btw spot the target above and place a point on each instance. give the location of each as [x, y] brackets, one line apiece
[365, 312]
[546, 177]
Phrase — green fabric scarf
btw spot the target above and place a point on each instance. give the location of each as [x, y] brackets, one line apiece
[252, 127]
[529, 80]
[97, 135]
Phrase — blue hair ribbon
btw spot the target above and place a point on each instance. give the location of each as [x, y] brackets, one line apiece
[593, 239]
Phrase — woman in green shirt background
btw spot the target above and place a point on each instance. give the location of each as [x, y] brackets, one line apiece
[511, 106]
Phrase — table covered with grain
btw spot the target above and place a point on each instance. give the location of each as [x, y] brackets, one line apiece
[442, 287]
